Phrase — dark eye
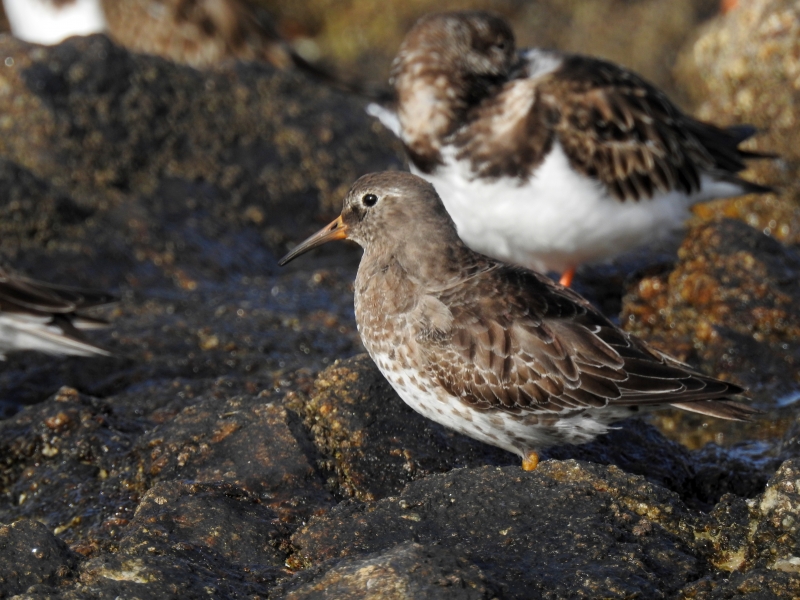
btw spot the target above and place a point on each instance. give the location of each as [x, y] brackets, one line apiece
[369, 199]
[501, 45]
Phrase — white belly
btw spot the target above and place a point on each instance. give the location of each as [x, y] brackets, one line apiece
[559, 218]
[41, 22]
[18, 332]
[497, 428]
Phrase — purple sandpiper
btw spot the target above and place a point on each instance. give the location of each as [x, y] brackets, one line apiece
[497, 352]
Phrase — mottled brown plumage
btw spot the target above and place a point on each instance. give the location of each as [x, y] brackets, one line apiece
[497, 352]
[547, 159]
[613, 125]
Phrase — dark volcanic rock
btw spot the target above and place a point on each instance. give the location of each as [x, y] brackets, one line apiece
[244, 441]
[179, 189]
[776, 539]
[758, 584]
[574, 529]
[185, 540]
[408, 570]
[729, 305]
[218, 518]
[565, 530]
[31, 555]
[66, 463]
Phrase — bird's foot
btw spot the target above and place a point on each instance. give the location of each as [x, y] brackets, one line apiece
[530, 462]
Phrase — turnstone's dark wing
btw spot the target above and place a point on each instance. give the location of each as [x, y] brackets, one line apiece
[518, 343]
[46, 317]
[27, 294]
[616, 127]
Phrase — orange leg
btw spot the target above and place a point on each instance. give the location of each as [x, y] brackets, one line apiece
[566, 277]
[727, 6]
[530, 462]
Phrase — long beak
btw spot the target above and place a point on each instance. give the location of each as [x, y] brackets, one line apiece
[336, 230]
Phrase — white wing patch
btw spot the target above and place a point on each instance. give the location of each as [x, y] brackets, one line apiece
[541, 62]
[386, 116]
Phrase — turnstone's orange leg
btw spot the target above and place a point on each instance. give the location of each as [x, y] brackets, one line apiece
[530, 462]
[566, 277]
[727, 5]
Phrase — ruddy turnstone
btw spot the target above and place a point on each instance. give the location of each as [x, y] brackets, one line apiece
[497, 352]
[46, 318]
[546, 159]
[200, 33]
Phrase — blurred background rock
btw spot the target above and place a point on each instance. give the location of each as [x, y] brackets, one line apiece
[360, 38]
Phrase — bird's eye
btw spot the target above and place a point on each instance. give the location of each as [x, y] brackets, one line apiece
[501, 45]
[369, 199]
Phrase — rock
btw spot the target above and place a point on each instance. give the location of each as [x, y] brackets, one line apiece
[31, 555]
[758, 584]
[65, 463]
[566, 530]
[572, 529]
[215, 518]
[776, 539]
[743, 67]
[186, 538]
[408, 570]
[728, 307]
[246, 442]
[732, 285]
[179, 189]
[82, 467]
[760, 533]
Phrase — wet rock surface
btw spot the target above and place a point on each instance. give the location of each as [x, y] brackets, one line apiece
[222, 449]
[32, 555]
[408, 570]
[570, 529]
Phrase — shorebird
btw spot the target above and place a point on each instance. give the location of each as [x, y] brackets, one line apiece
[200, 33]
[546, 159]
[497, 352]
[47, 318]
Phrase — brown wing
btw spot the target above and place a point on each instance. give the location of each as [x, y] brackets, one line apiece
[517, 342]
[618, 128]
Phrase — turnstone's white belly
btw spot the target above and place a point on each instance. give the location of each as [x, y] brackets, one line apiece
[50, 22]
[559, 218]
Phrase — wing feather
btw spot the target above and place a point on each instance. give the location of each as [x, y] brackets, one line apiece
[617, 127]
[562, 356]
